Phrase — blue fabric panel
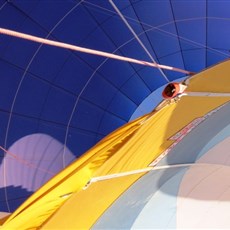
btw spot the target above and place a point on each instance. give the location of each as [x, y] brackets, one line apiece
[32, 27]
[73, 75]
[154, 13]
[75, 33]
[4, 117]
[101, 10]
[189, 9]
[124, 6]
[29, 99]
[17, 18]
[99, 137]
[136, 89]
[80, 141]
[45, 13]
[117, 30]
[20, 52]
[10, 78]
[134, 50]
[117, 71]
[122, 106]
[109, 123]
[99, 91]
[18, 194]
[218, 9]
[19, 127]
[215, 57]
[83, 115]
[191, 35]
[58, 106]
[25, 6]
[178, 62]
[195, 36]
[99, 40]
[164, 41]
[199, 59]
[215, 27]
[152, 77]
[48, 62]
[52, 129]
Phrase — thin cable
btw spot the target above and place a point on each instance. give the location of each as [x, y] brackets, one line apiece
[137, 38]
[206, 94]
[165, 24]
[21, 81]
[78, 97]
[3, 5]
[25, 162]
[148, 169]
[71, 117]
[4, 165]
[89, 51]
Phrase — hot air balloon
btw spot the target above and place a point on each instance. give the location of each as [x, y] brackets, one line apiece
[84, 144]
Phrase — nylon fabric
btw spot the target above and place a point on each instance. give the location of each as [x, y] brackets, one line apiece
[214, 80]
[131, 147]
[72, 179]
[77, 99]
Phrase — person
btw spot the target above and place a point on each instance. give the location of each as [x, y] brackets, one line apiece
[174, 89]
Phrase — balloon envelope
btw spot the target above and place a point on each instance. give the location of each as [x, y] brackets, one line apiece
[56, 104]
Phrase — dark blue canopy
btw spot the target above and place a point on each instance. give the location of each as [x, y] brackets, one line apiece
[55, 103]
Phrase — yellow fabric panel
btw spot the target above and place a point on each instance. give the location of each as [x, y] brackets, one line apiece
[144, 146]
[40, 209]
[133, 146]
[4, 216]
[151, 138]
[215, 79]
[89, 204]
[70, 180]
